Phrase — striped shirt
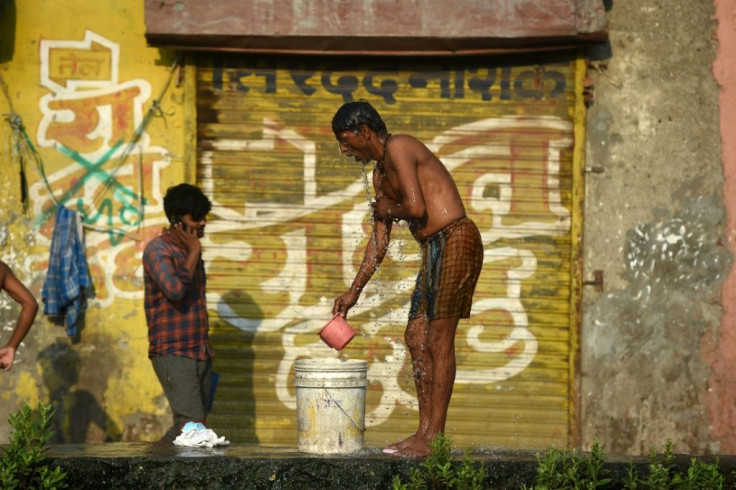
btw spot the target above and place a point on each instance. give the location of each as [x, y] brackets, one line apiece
[176, 309]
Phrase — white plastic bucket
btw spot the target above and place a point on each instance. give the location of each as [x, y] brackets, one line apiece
[330, 405]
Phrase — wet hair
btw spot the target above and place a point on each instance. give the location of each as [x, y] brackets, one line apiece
[186, 199]
[354, 114]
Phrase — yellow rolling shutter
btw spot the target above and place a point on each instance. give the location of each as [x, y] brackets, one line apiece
[289, 225]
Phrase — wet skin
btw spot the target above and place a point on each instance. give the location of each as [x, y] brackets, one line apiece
[29, 307]
[412, 185]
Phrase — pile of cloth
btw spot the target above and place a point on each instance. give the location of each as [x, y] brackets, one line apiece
[195, 434]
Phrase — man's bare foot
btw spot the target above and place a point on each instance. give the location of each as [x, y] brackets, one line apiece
[418, 448]
[399, 446]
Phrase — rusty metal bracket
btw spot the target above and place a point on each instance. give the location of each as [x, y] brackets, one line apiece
[597, 281]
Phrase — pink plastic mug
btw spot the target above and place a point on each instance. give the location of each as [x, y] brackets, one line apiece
[337, 333]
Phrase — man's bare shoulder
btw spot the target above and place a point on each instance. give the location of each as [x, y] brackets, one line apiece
[405, 139]
[408, 144]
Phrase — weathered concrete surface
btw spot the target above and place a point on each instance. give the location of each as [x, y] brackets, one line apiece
[655, 224]
[355, 26]
[153, 465]
[157, 465]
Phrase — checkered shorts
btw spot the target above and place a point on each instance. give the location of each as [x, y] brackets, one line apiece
[452, 260]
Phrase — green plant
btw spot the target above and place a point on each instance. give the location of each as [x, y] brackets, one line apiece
[470, 476]
[630, 480]
[23, 464]
[660, 468]
[439, 472]
[563, 469]
[703, 475]
[661, 474]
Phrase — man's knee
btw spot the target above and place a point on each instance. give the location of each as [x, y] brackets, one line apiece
[416, 333]
[441, 335]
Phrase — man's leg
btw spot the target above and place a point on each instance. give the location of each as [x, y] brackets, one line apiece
[182, 380]
[442, 352]
[439, 373]
[416, 341]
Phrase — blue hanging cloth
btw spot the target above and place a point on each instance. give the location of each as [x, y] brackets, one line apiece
[67, 277]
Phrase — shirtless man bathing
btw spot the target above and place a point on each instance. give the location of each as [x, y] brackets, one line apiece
[413, 185]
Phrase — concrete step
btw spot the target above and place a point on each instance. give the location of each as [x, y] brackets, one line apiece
[238, 466]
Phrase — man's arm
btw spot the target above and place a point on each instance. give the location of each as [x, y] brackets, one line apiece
[160, 265]
[374, 253]
[29, 308]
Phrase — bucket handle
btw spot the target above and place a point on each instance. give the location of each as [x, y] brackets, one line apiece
[362, 429]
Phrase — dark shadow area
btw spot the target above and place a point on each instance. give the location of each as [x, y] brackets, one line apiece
[78, 416]
[234, 403]
[60, 322]
[7, 30]
[166, 58]
[600, 52]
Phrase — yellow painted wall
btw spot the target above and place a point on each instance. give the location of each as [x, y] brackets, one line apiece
[81, 78]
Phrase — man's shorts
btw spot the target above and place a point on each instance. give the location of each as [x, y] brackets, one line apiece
[452, 259]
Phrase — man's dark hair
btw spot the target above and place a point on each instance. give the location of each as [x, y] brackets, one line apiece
[354, 114]
[186, 199]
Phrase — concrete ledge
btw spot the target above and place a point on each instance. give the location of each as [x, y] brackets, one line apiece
[157, 465]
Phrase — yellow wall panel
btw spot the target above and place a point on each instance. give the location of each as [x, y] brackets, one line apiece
[81, 79]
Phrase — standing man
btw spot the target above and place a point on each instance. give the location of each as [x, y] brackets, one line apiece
[413, 185]
[29, 308]
[176, 309]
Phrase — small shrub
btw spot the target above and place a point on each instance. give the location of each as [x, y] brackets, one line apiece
[559, 470]
[563, 469]
[23, 464]
[662, 475]
[439, 472]
[470, 476]
[703, 475]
